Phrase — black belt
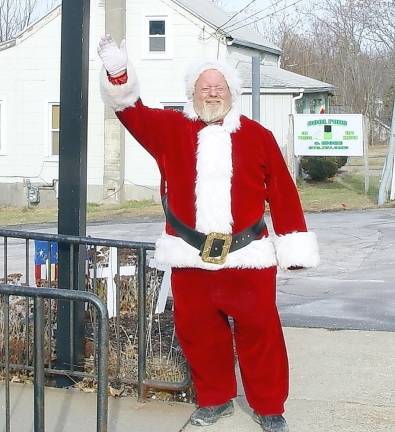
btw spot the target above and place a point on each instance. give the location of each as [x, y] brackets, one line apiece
[214, 247]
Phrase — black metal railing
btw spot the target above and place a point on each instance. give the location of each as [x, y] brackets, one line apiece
[137, 254]
[39, 295]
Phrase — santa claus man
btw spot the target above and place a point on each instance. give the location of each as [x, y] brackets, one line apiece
[218, 169]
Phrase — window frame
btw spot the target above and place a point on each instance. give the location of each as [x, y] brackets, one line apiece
[49, 129]
[168, 52]
[167, 105]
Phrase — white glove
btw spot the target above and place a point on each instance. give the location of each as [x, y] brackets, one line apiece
[114, 59]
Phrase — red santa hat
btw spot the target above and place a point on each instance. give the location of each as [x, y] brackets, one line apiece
[230, 74]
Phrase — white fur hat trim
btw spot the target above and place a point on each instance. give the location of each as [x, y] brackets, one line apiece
[230, 73]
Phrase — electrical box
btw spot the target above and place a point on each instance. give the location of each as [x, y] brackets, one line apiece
[32, 193]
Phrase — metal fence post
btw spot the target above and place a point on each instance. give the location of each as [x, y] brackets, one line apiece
[39, 392]
[141, 371]
[102, 368]
[38, 294]
[72, 170]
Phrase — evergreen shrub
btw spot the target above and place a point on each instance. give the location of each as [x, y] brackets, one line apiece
[320, 168]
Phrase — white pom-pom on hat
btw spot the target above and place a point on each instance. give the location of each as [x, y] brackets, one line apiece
[230, 74]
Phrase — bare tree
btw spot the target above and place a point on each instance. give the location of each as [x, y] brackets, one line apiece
[382, 24]
[15, 15]
[349, 43]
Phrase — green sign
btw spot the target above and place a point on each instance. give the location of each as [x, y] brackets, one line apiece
[328, 135]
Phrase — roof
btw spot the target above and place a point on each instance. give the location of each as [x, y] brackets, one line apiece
[216, 17]
[273, 77]
[32, 28]
[202, 9]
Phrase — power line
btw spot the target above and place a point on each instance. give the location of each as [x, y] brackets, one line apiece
[254, 14]
[237, 13]
[266, 16]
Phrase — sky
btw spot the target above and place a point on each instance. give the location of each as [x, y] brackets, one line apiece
[44, 5]
[266, 6]
[229, 5]
[269, 10]
[233, 5]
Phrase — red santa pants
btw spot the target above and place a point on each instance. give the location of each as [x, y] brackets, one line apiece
[203, 300]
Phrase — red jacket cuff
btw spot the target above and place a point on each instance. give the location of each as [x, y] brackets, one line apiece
[123, 79]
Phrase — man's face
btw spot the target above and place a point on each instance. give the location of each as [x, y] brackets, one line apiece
[212, 99]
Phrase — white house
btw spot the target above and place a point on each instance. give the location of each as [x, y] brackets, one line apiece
[163, 38]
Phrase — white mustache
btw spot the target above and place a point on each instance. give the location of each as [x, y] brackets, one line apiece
[213, 100]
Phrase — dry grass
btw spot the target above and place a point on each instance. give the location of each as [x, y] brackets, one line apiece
[95, 212]
[164, 358]
[341, 192]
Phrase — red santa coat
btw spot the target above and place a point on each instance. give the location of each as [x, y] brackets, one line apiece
[217, 179]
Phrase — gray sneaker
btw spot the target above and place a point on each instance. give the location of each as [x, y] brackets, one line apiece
[207, 416]
[272, 423]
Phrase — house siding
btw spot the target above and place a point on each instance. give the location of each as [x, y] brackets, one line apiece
[30, 80]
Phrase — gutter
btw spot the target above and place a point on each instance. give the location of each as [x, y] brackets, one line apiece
[7, 44]
[255, 46]
[284, 90]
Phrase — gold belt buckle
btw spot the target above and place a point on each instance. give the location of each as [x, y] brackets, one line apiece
[227, 238]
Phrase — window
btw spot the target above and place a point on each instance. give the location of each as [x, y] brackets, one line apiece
[315, 105]
[158, 41]
[300, 104]
[173, 106]
[157, 35]
[54, 120]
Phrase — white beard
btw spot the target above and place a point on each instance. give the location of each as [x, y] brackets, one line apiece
[211, 112]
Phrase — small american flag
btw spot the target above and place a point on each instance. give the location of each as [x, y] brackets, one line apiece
[46, 254]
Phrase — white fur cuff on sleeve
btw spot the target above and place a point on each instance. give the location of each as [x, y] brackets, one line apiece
[122, 96]
[297, 249]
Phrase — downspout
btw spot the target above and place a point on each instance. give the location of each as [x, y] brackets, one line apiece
[295, 98]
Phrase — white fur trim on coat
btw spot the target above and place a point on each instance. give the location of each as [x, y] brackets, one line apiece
[175, 252]
[122, 96]
[297, 249]
[213, 180]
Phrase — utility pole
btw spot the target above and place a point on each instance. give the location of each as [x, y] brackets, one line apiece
[387, 182]
[114, 135]
[256, 88]
[74, 77]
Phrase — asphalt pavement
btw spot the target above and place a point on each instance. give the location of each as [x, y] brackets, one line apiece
[354, 285]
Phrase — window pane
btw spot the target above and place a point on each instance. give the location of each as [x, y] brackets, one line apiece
[55, 143]
[157, 44]
[55, 116]
[157, 28]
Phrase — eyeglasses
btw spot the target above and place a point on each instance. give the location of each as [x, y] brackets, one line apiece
[208, 89]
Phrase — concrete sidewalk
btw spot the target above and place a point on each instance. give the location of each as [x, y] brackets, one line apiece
[341, 381]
